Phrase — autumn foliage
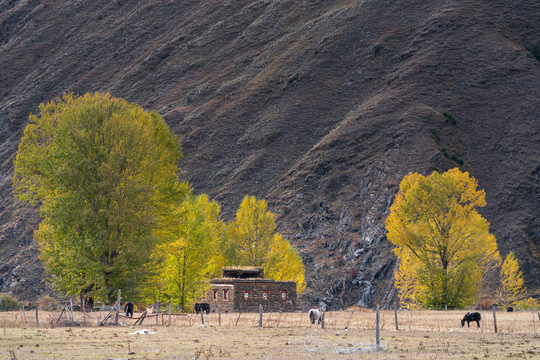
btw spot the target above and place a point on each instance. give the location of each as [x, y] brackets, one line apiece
[104, 173]
[445, 249]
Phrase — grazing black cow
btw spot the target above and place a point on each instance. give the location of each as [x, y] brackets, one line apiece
[510, 309]
[202, 307]
[128, 309]
[471, 317]
[314, 315]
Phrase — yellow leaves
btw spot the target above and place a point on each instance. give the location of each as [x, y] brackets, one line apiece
[511, 278]
[251, 240]
[444, 245]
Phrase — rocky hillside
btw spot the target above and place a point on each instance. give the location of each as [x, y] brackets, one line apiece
[320, 107]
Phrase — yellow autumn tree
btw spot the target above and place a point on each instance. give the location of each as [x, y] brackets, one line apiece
[187, 259]
[511, 278]
[251, 240]
[444, 245]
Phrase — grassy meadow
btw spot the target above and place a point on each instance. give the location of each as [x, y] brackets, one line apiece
[421, 335]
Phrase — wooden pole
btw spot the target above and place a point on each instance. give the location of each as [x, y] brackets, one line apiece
[202, 316]
[494, 320]
[170, 312]
[37, 314]
[348, 321]
[157, 312]
[24, 313]
[395, 319]
[534, 326]
[322, 320]
[239, 313]
[84, 310]
[377, 334]
[279, 318]
[71, 309]
[117, 308]
[260, 315]
[219, 315]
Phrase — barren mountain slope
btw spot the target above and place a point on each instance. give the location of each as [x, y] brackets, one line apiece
[320, 107]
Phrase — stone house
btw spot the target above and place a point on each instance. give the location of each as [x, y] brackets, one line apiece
[245, 288]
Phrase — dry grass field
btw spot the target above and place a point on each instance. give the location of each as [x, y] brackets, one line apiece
[421, 335]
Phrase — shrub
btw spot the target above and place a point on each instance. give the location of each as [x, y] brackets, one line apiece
[352, 272]
[528, 304]
[442, 149]
[535, 52]
[457, 159]
[485, 304]
[434, 132]
[9, 302]
[47, 303]
[449, 118]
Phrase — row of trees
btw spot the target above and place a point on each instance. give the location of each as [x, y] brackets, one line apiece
[104, 175]
[447, 255]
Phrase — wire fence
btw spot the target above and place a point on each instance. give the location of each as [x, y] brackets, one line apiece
[526, 322]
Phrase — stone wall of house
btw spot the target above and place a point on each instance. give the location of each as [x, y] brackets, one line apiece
[280, 296]
[216, 297]
[273, 295]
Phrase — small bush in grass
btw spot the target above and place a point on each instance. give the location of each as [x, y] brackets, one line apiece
[436, 134]
[528, 304]
[47, 303]
[9, 302]
[449, 118]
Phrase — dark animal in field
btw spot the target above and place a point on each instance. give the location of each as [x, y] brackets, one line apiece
[128, 309]
[510, 309]
[202, 307]
[471, 317]
[314, 316]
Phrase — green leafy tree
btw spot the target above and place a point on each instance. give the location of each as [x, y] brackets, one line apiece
[102, 172]
[445, 248]
[251, 240]
[188, 256]
[511, 278]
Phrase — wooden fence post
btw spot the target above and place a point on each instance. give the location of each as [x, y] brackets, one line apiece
[322, 320]
[24, 313]
[239, 313]
[395, 318]
[84, 309]
[219, 315]
[37, 314]
[377, 335]
[170, 312]
[202, 316]
[71, 309]
[260, 315]
[117, 308]
[348, 321]
[157, 312]
[494, 320]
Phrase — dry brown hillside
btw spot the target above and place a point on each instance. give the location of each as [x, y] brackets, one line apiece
[320, 107]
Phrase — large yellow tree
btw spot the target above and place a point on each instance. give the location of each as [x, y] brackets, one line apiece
[102, 171]
[444, 245]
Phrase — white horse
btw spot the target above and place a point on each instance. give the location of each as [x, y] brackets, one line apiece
[314, 316]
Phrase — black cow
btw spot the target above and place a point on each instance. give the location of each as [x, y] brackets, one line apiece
[510, 309]
[202, 307]
[128, 309]
[471, 317]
